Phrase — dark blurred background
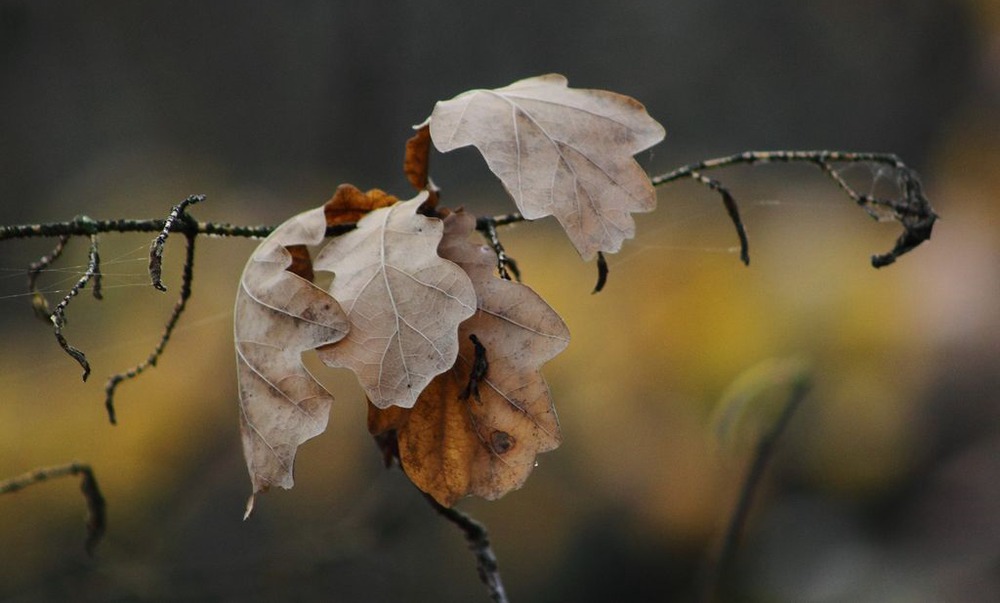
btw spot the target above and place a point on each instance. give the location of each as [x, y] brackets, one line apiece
[886, 485]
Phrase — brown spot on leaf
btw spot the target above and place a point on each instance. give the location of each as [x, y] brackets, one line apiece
[452, 447]
[502, 442]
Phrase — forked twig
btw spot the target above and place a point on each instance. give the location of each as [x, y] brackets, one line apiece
[38, 302]
[58, 316]
[913, 211]
[479, 541]
[156, 248]
[96, 518]
[186, 284]
[505, 264]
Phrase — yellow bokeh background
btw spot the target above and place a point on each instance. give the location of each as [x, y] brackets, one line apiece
[892, 456]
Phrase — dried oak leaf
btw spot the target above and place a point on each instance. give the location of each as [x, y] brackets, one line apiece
[350, 204]
[416, 163]
[403, 301]
[452, 444]
[559, 151]
[278, 315]
[417, 157]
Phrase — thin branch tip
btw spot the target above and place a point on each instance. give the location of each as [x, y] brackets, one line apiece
[913, 211]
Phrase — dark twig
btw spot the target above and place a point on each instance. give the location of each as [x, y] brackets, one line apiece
[88, 485]
[602, 273]
[38, 302]
[186, 285]
[913, 211]
[76, 228]
[156, 248]
[479, 541]
[488, 226]
[177, 221]
[501, 220]
[732, 209]
[94, 267]
[762, 457]
[480, 366]
[58, 316]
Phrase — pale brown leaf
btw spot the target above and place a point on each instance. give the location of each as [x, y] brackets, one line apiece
[403, 301]
[278, 315]
[559, 151]
[451, 444]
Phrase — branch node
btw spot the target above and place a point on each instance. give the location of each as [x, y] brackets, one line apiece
[156, 248]
[505, 264]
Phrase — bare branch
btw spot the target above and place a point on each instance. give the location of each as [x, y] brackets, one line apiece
[186, 284]
[58, 316]
[913, 211]
[479, 541]
[38, 302]
[88, 485]
[488, 226]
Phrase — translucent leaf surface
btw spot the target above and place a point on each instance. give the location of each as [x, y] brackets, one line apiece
[278, 315]
[403, 301]
[559, 151]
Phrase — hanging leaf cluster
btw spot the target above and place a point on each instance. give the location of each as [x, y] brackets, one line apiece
[447, 350]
